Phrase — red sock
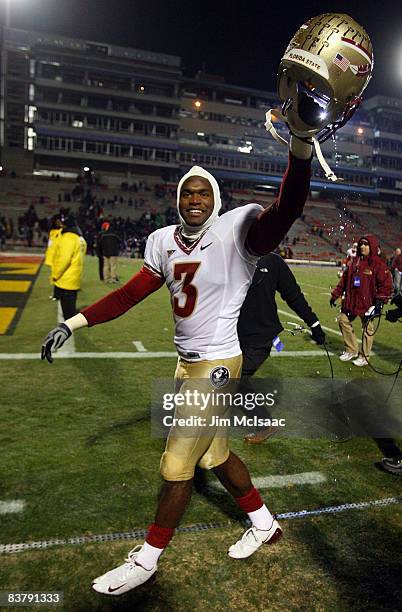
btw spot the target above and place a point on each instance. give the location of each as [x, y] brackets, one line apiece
[251, 501]
[159, 536]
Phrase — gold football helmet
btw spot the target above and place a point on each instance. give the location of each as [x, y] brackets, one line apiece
[323, 73]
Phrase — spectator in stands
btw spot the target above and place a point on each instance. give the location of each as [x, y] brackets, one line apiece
[397, 271]
[68, 265]
[29, 236]
[105, 226]
[109, 243]
[258, 326]
[54, 234]
[9, 228]
[3, 234]
[365, 285]
[30, 216]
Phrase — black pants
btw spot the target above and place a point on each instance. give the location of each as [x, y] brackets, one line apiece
[100, 261]
[68, 301]
[253, 358]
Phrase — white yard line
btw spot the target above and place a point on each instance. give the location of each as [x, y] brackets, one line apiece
[324, 327]
[278, 481]
[69, 345]
[293, 316]
[316, 353]
[314, 286]
[12, 506]
[135, 355]
[139, 346]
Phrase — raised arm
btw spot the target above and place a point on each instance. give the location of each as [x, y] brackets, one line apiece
[272, 225]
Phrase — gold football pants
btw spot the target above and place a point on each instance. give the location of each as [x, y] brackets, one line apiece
[206, 447]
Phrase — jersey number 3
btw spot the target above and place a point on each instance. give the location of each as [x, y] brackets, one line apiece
[188, 270]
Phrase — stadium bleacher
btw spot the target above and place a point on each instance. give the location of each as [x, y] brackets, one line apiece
[324, 232]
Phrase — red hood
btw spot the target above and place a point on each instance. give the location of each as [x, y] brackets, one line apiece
[373, 242]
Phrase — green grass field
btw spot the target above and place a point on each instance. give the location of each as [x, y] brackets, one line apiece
[76, 448]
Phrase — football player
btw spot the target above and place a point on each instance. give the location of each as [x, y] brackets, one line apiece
[207, 263]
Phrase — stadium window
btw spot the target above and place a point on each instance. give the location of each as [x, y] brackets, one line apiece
[161, 130]
[77, 145]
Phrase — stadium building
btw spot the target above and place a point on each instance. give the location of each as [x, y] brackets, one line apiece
[68, 104]
[222, 127]
[386, 116]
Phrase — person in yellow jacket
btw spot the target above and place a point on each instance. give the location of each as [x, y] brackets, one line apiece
[68, 265]
[54, 235]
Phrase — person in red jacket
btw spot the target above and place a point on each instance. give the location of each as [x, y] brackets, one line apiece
[365, 285]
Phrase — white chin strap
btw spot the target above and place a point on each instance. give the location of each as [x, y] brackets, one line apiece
[331, 176]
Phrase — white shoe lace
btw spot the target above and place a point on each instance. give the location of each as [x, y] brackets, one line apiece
[132, 555]
[246, 534]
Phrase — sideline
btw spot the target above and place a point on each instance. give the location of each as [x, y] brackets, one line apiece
[138, 355]
[141, 533]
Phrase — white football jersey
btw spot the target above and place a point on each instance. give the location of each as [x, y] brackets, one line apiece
[208, 282]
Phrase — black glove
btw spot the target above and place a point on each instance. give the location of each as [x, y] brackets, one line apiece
[54, 340]
[373, 311]
[378, 307]
[318, 334]
[332, 302]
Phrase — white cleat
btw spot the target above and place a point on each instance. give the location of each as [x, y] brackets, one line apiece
[360, 362]
[348, 356]
[252, 539]
[125, 577]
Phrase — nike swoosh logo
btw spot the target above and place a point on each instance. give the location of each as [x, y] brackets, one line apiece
[117, 588]
[205, 246]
